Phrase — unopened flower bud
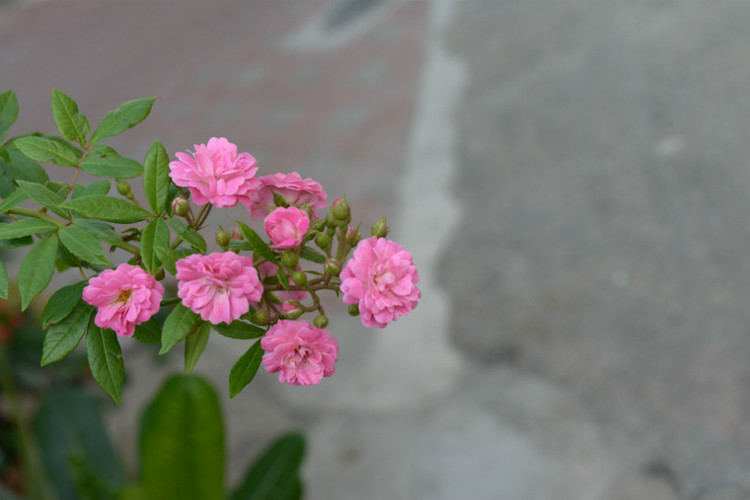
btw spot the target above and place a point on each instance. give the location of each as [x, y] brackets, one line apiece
[354, 310]
[180, 206]
[260, 317]
[292, 309]
[299, 278]
[123, 188]
[330, 220]
[289, 261]
[353, 236]
[130, 196]
[159, 274]
[279, 200]
[222, 239]
[320, 321]
[236, 235]
[380, 229]
[340, 209]
[318, 224]
[332, 267]
[323, 241]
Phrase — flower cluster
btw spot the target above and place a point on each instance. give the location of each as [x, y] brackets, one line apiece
[268, 287]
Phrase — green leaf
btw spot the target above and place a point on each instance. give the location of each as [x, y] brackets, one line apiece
[83, 245]
[259, 246]
[187, 233]
[14, 166]
[17, 242]
[71, 124]
[25, 227]
[148, 332]
[107, 208]
[195, 344]
[178, 325]
[105, 162]
[105, 360]
[168, 257]
[3, 282]
[13, 200]
[182, 442]
[275, 475]
[245, 369]
[155, 233]
[63, 337]
[47, 149]
[62, 302]
[98, 187]
[240, 245]
[239, 330]
[127, 115]
[37, 269]
[156, 177]
[99, 230]
[43, 195]
[283, 278]
[70, 432]
[8, 112]
[308, 253]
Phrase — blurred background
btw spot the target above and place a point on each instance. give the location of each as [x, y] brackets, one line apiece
[572, 177]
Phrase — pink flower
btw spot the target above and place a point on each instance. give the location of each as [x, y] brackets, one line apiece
[286, 227]
[220, 286]
[287, 298]
[302, 353]
[215, 173]
[125, 297]
[291, 187]
[382, 279]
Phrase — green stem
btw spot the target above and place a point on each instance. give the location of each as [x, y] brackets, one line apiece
[28, 212]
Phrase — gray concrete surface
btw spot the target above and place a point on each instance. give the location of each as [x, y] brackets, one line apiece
[572, 178]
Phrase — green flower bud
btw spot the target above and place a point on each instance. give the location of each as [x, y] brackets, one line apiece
[330, 220]
[323, 241]
[330, 231]
[222, 239]
[130, 196]
[123, 188]
[318, 224]
[261, 317]
[340, 209]
[332, 267]
[380, 229]
[159, 274]
[354, 310]
[320, 321]
[296, 312]
[353, 236]
[289, 261]
[180, 206]
[299, 278]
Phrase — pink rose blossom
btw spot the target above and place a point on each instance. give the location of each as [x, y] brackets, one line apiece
[124, 297]
[302, 353]
[287, 298]
[286, 227]
[215, 173]
[382, 279]
[292, 187]
[220, 286]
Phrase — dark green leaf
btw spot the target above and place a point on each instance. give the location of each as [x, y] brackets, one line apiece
[13, 200]
[239, 330]
[107, 208]
[127, 115]
[187, 233]
[17, 242]
[156, 177]
[37, 269]
[14, 165]
[47, 149]
[195, 344]
[98, 187]
[167, 257]
[3, 282]
[148, 332]
[63, 337]
[62, 303]
[245, 369]
[83, 245]
[25, 227]
[308, 253]
[105, 163]
[182, 442]
[283, 278]
[259, 246]
[275, 475]
[69, 431]
[8, 112]
[178, 325]
[156, 233]
[105, 360]
[71, 124]
[99, 230]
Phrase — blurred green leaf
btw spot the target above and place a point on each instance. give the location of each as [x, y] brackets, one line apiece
[156, 233]
[182, 442]
[148, 332]
[44, 196]
[178, 325]
[37, 269]
[62, 303]
[25, 227]
[187, 233]
[127, 115]
[107, 208]
[308, 253]
[8, 112]
[83, 245]
[167, 257]
[13, 200]
[195, 344]
[63, 337]
[105, 162]
[275, 475]
[98, 187]
[156, 177]
[259, 246]
[71, 124]
[3, 282]
[105, 359]
[244, 369]
[47, 149]
[99, 230]
[239, 330]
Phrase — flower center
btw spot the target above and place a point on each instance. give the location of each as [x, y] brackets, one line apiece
[123, 297]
